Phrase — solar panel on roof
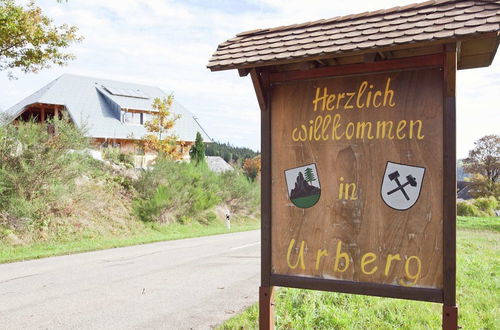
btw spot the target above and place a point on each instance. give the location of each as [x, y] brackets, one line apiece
[128, 92]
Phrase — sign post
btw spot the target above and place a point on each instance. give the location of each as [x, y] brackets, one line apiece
[358, 149]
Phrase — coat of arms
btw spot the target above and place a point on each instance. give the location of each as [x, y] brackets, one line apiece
[303, 185]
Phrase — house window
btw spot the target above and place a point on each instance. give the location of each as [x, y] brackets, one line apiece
[132, 118]
[146, 117]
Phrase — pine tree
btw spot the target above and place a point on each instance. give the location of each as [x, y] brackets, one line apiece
[309, 175]
[197, 152]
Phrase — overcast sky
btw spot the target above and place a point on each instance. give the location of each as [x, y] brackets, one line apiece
[168, 44]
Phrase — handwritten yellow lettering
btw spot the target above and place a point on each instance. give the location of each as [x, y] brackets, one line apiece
[300, 136]
[311, 130]
[401, 127]
[317, 125]
[368, 258]
[329, 105]
[348, 104]
[419, 132]
[381, 129]
[348, 134]
[390, 258]
[361, 91]
[389, 94]
[340, 96]
[376, 95]
[413, 277]
[319, 98]
[360, 130]
[300, 257]
[341, 255]
[335, 126]
[369, 97]
[326, 123]
[321, 253]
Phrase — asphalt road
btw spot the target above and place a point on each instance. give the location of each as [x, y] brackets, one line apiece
[186, 284]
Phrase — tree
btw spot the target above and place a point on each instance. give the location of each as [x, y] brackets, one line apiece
[28, 39]
[484, 164]
[251, 167]
[197, 152]
[160, 138]
[309, 174]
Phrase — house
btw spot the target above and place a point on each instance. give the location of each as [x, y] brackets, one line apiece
[463, 190]
[111, 112]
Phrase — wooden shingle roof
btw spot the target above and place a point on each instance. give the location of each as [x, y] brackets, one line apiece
[430, 22]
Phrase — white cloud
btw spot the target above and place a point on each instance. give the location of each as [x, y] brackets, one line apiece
[168, 43]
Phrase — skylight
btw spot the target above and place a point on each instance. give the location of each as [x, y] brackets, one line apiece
[128, 92]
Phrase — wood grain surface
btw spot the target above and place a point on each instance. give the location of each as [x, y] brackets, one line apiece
[383, 245]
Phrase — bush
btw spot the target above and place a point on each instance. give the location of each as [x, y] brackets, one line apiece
[36, 167]
[179, 191]
[480, 207]
[468, 210]
[116, 156]
[488, 205]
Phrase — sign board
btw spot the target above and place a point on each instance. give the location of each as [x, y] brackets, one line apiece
[357, 173]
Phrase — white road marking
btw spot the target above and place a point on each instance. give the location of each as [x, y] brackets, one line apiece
[244, 246]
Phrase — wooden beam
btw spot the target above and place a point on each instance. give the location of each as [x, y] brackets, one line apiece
[321, 62]
[243, 72]
[369, 57]
[260, 87]
[349, 69]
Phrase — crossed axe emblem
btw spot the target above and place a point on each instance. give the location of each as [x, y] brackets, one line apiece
[410, 180]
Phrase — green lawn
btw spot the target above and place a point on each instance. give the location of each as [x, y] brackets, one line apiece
[150, 233]
[478, 294]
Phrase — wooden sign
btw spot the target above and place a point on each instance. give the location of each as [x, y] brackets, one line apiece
[356, 175]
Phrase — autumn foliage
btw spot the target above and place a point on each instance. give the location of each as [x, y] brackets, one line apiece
[160, 138]
[251, 167]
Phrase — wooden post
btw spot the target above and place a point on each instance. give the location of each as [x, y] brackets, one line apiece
[450, 317]
[450, 310]
[266, 308]
[260, 80]
[42, 114]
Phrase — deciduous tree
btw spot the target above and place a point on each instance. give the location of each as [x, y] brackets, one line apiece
[160, 138]
[484, 163]
[29, 40]
[251, 167]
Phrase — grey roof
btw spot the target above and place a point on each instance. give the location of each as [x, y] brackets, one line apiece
[92, 106]
[218, 164]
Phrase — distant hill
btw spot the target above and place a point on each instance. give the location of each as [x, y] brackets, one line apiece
[230, 153]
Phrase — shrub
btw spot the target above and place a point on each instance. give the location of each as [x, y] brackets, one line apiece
[480, 207]
[468, 210]
[116, 156]
[36, 167]
[488, 205]
[185, 192]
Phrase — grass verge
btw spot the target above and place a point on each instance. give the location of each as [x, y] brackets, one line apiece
[151, 232]
[478, 294]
